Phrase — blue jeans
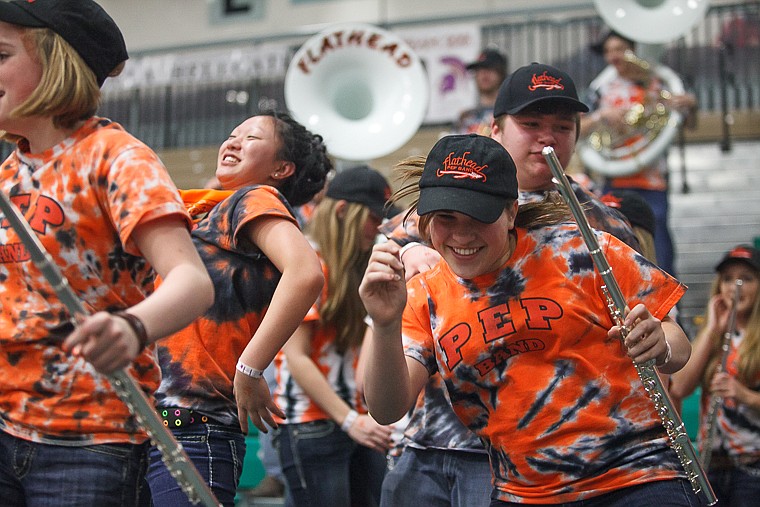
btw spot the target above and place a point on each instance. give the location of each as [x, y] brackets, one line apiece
[324, 467]
[44, 475]
[736, 488]
[437, 477]
[216, 451]
[674, 493]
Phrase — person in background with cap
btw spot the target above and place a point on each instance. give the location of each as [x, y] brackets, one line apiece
[611, 95]
[331, 450]
[734, 468]
[515, 322]
[536, 106]
[639, 213]
[490, 69]
[266, 277]
[104, 207]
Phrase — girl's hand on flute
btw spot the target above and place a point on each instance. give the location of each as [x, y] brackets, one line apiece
[645, 339]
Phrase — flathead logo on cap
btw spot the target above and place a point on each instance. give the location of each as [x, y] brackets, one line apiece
[545, 82]
[740, 253]
[462, 167]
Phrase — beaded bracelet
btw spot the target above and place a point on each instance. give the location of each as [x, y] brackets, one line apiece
[248, 370]
[137, 327]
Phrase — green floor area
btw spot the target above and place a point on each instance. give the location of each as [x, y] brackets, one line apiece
[690, 414]
[253, 471]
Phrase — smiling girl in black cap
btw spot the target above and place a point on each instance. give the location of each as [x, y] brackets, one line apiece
[104, 207]
[515, 321]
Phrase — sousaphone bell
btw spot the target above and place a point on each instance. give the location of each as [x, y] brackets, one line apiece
[360, 87]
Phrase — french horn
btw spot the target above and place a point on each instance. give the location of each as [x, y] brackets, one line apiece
[652, 125]
[360, 87]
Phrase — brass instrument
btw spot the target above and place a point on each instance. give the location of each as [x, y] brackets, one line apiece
[679, 439]
[711, 426]
[649, 126]
[127, 389]
[653, 124]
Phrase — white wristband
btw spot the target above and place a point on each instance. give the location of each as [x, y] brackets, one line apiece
[247, 370]
[668, 355]
[349, 420]
[406, 247]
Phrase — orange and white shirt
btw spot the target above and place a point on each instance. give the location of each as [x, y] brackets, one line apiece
[527, 364]
[339, 370]
[83, 198]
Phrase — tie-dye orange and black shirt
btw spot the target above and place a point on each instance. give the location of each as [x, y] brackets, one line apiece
[83, 199]
[433, 424]
[528, 366]
[198, 362]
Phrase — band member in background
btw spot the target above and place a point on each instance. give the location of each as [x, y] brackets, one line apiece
[104, 207]
[331, 450]
[266, 277]
[527, 119]
[611, 99]
[515, 321]
[639, 213]
[489, 70]
[734, 466]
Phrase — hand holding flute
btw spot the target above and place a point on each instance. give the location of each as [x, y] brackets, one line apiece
[617, 306]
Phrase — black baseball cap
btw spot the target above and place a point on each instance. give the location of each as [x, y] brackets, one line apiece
[534, 83]
[471, 174]
[634, 207]
[490, 59]
[82, 23]
[742, 253]
[362, 185]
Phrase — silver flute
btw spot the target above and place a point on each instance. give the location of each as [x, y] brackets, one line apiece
[711, 426]
[679, 439]
[127, 389]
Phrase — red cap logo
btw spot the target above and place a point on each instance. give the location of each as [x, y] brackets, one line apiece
[740, 253]
[546, 82]
[462, 167]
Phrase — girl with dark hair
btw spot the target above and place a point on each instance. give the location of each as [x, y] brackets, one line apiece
[266, 277]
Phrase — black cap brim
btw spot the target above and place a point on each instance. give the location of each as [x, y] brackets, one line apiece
[483, 207]
[12, 13]
[570, 103]
[479, 65]
[383, 210]
[737, 260]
